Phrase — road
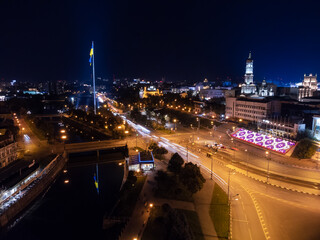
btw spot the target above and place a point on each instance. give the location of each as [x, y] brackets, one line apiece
[260, 211]
[254, 156]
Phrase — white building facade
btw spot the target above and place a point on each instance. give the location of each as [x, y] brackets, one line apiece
[309, 86]
[251, 109]
[8, 152]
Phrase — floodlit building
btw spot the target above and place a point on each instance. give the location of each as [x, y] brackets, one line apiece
[149, 91]
[252, 109]
[8, 148]
[316, 127]
[309, 86]
[142, 161]
[248, 87]
[208, 94]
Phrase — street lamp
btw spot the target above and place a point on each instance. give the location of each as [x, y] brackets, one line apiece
[64, 138]
[198, 120]
[234, 150]
[268, 158]
[246, 150]
[231, 171]
[175, 121]
[63, 131]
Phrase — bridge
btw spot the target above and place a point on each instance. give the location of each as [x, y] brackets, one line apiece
[115, 152]
[94, 146]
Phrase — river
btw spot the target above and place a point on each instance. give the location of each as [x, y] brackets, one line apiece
[72, 210]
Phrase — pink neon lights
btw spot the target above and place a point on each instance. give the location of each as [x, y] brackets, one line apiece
[269, 142]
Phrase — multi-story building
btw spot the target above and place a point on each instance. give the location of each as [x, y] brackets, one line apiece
[252, 109]
[8, 149]
[216, 93]
[309, 86]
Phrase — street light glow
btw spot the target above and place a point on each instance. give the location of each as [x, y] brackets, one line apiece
[63, 137]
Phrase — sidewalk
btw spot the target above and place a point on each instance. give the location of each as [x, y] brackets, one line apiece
[140, 215]
[202, 201]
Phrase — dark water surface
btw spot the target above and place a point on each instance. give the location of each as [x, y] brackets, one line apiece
[73, 210]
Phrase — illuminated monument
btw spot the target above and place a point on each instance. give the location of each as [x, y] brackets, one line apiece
[150, 91]
[248, 87]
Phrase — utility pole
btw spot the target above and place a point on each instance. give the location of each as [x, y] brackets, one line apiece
[187, 152]
[136, 140]
[246, 150]
[211, 166]
[268, 159]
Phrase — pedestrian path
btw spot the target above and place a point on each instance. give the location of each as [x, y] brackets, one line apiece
[134, 228]
[202, 201]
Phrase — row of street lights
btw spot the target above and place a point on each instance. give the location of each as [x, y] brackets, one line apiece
[64, 138]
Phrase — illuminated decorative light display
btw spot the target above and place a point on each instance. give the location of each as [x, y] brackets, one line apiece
[263, 140]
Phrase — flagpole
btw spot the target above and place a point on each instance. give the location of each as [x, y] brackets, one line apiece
[94, 83]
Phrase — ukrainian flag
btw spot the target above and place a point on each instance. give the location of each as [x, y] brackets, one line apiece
[96, 184]
[91, 54]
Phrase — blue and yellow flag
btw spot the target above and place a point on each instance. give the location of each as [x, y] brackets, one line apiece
[96, 183]
[91, 54]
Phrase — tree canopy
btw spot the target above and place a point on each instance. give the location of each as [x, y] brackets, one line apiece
[305, 149]
[191, 177]
[175, 163]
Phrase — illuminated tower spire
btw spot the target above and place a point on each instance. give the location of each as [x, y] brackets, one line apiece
[248, 77]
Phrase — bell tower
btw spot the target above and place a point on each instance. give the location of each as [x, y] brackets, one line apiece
[248, 77]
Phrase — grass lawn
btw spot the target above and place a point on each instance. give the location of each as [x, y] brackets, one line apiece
[219, 212]
[194, 223]
[35, 130]
[128, 199]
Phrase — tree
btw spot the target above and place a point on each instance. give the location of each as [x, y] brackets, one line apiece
[131, 179]
[305, 149]
[191, 177]
[157, 151]
[153, 146]
[175, 163]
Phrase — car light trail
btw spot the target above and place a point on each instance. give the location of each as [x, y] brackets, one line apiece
[173, 147]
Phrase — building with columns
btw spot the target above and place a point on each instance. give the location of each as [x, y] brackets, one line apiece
[309, 86]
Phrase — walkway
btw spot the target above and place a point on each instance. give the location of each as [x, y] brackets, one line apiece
[202, 201]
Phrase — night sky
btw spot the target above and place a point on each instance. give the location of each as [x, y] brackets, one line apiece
[178, 40]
